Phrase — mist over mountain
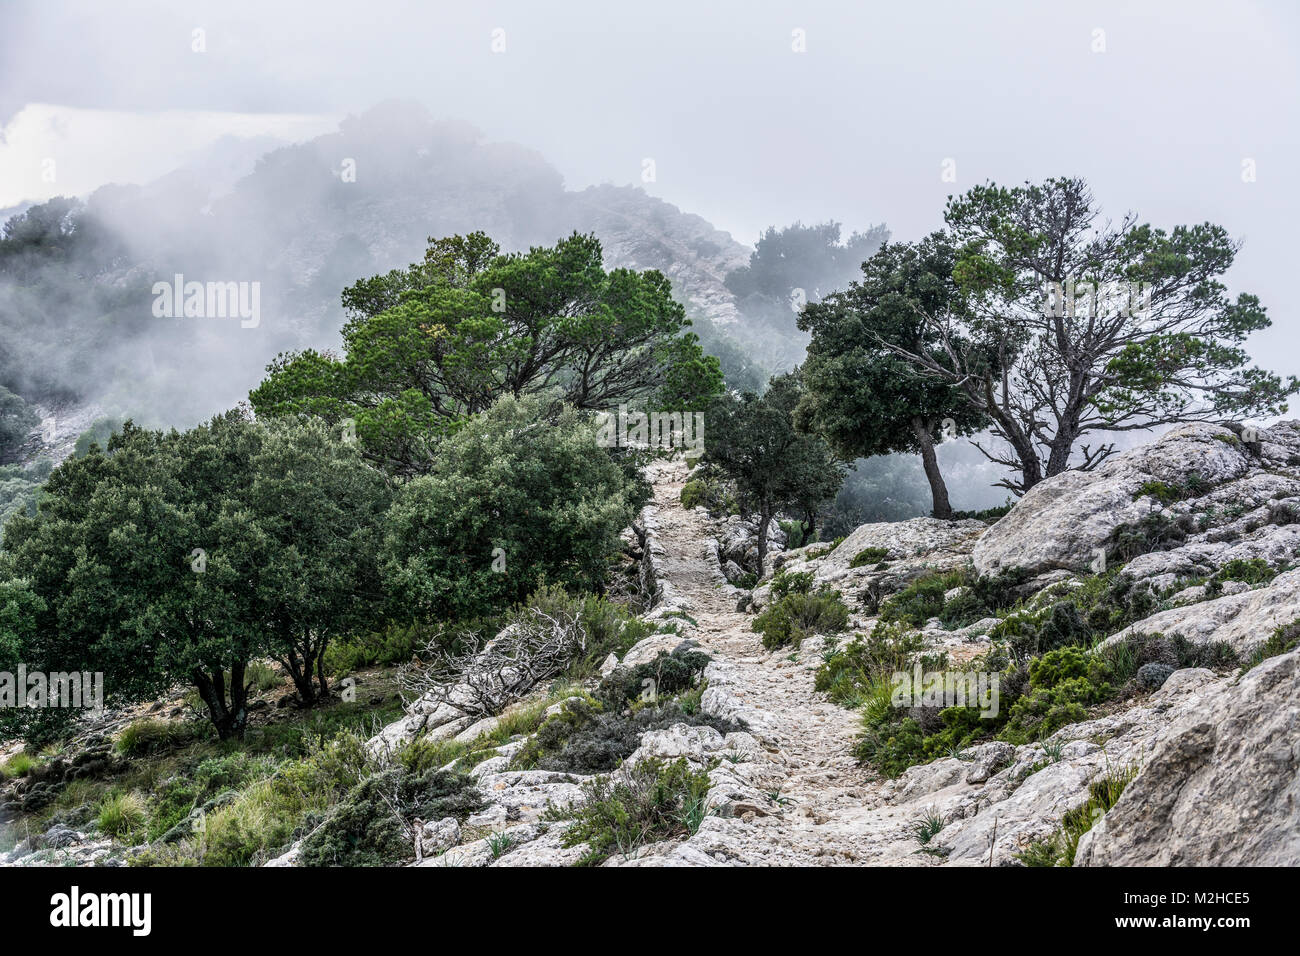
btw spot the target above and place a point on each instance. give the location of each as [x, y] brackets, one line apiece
[76, 280]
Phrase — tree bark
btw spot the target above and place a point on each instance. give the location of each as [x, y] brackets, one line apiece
[229, 719]
[938, 490]
[764, 520]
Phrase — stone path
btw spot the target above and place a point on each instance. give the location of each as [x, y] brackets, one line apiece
[830, 811]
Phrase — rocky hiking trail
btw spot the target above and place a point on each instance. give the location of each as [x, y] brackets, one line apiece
[821, 807]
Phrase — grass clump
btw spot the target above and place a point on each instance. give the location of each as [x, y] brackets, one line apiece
[657, 801]
[19, 765]
[1059, 849]
[153, 735]
[122, 816]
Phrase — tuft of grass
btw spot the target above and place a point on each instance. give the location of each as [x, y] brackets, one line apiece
[259, 677]
[500, 844]
[19, 765]
[122, 815]
[153, 735]
[927, 827]
[1059, 848]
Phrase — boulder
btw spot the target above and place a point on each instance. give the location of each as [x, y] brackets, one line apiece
[1062, 521]
[1221, 789]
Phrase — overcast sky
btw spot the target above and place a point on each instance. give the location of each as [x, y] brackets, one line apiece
[1157, 104]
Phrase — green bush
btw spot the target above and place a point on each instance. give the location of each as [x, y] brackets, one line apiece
[897, 742]
[1063, 683]
[799, 614]
[1156, 531]
[513, 485]
[669, 674]
[791, 582]
[693, 494]
[657, 801]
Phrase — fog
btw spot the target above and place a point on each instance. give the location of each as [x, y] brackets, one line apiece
[748, 115]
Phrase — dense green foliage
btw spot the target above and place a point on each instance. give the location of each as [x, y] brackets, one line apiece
[753, 442]
[515, 500]
[788, 268]
[428, 347]
[180, 557]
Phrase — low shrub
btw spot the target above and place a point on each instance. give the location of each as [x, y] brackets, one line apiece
[869, 556]
[371, 825]
[920, 600]
[665, 676]
[657, 801]
[1248, 571]
[798, 615]
[1156, 531]
[386, 648]
[585, 739]
[1062, 684]
[693, 493]
[983, 597]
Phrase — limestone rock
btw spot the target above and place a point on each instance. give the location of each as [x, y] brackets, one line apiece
[1223, 787]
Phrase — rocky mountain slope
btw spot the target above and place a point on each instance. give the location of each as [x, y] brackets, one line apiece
[1184, 764]
[1215, 753]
